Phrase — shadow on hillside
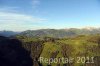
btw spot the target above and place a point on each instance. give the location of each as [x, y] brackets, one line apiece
[13, 54]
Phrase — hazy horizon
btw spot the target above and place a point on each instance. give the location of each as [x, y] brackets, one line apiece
[87, 27]
[21, 15]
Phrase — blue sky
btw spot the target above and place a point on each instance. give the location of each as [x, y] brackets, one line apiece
[20, 15]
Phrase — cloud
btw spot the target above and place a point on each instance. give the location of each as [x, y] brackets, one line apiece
[35, 3]
[11, 18]
[9, 9]
[4, 16]
[18, 22]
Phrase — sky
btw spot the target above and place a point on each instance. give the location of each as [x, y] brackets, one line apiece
[20, 15]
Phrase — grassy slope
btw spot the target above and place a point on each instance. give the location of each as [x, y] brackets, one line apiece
[78, 45]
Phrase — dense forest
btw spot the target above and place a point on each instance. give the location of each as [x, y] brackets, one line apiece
[24, 49]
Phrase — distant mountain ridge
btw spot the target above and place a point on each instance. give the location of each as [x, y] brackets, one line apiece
[8, 33]
[61, 33]
[47, 33]
[57, 33]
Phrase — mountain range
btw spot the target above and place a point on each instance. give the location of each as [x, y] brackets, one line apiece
[61, 33]
[8, 33]
[57, 33]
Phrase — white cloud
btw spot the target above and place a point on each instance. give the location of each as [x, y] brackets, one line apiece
[9, 9]
[18, 22]
[4, 16]
[35, 3]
